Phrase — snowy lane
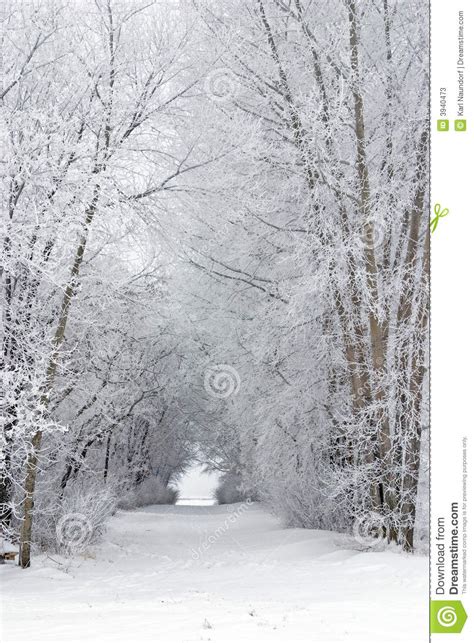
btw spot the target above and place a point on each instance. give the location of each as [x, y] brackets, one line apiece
[190, 573]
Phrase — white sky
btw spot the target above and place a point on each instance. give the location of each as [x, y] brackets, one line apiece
[197, 484]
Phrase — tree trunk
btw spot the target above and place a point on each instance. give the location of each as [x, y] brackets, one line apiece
[32, 462]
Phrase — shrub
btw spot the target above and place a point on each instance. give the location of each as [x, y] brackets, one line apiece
[149, 492]
[70, 525]
[229, 489]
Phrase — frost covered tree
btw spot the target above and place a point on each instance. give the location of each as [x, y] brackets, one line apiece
[90, 114]
[323, 237]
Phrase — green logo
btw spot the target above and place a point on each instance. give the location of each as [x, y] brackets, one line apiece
[460, 126]
[443, 126]
[447, 617]
[439, 214]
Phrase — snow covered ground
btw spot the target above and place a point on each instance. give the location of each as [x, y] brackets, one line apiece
[216, 573]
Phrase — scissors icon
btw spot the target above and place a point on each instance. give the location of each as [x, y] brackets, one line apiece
[439, 214]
